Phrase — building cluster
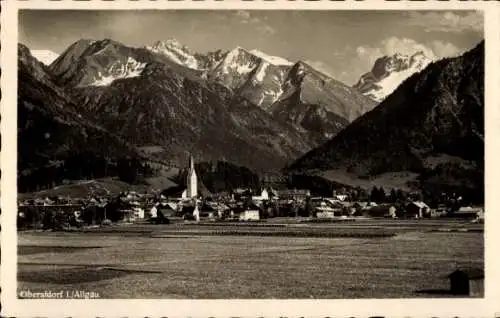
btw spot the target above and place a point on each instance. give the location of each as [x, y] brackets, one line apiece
[239, 204]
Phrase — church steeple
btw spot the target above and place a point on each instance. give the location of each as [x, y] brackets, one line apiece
[191, 163]
[192, 180]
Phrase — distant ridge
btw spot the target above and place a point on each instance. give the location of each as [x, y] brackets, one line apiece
[45, 56]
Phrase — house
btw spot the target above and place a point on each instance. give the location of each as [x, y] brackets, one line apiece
[241, 190]
[128, 215]
[191, 212]
[343, 207]
[139, 212]
[327, 208]
[469, 282]
[250, 215]
[273, 194]
[417, 209]
[221, 209]
[360, 205]
[382, 210]
[332, 202]
[372, 204]
[341, 197]
[250, 212]
[132, 195]
[264, 196]
[440, 211]
[158, 214]
[294, 194]
[167, 209]
[325, 212]
[241, 194]
[209, 210]
[350, 210]
[480, 216]
[468, 212]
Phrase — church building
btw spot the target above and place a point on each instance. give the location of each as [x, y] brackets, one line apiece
[192, 181]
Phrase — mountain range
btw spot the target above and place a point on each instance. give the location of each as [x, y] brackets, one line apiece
[158, 102]
[264, 108]
[430, 129]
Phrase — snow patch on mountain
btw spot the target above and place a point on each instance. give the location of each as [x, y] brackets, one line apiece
[269, 96]
[389, 72]
[231, 62]
[261, 71]
[176, 52]
[276, 60]
[130, 69]
[45, 56]
[275, 95]
[387, 85]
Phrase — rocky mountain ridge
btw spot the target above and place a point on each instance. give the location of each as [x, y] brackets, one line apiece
[55, 142]
[168, 96]
[262, 80]
[433, 125]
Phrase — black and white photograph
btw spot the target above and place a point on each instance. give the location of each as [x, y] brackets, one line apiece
[250, 154]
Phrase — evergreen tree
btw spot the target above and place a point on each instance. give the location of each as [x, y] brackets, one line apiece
[419, 196]
[308, 208]
[362, 194]
[400, 195]
[381, 195]
[374, 195]
[393, 196]
[354, 195]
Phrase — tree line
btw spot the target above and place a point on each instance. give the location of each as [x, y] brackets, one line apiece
[82, 166]
[221, 176]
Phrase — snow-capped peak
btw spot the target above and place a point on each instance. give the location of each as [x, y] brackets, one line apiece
[175, 51]
[389, 72]
[244, 61]
[235, 60]
[276, 60]
[420, 61]
[117, 70]
[45, 56]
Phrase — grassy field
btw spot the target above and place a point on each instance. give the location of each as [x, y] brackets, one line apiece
[178, 261]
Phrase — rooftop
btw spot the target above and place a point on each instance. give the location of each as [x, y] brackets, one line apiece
[471, 272]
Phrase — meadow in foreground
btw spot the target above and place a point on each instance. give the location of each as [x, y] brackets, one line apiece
[410, 264]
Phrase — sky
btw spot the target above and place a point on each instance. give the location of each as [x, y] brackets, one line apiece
[343, 44]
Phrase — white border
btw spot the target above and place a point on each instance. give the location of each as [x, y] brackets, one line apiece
[11, 306]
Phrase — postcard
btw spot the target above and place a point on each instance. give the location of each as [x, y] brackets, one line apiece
[175, 158]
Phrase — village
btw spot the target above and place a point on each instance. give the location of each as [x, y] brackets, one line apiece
[187, 204]
[245, 229]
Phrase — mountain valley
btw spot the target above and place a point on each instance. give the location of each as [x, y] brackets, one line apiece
[160, 102]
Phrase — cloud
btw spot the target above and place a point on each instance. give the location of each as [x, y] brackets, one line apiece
[245, 17]
[445, 49]
[446, 21]
[362, 58]
[267, 29]
[392, 45]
